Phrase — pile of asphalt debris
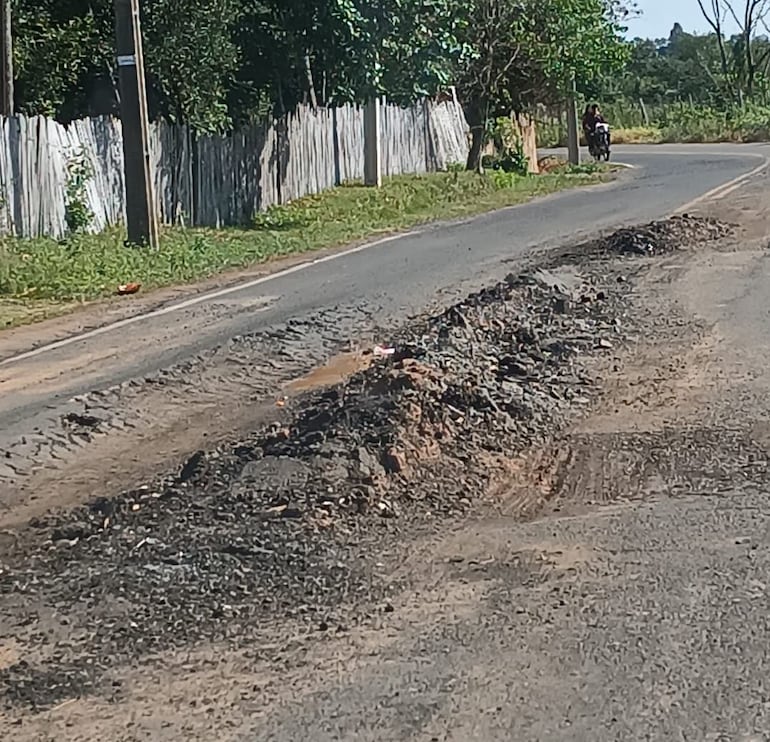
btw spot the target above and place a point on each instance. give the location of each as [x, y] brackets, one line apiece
[665, 236]
[284, 524]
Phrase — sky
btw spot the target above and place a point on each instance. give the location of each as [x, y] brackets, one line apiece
[659, 16]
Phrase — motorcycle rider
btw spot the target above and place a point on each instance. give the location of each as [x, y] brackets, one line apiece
[591, 117]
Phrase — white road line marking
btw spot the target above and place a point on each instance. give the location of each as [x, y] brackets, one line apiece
[724, 189]
[187, 303]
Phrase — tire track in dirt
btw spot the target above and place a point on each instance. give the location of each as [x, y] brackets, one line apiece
[131, 432]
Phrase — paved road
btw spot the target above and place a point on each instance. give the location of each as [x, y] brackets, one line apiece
[644, 622]
[379, 284]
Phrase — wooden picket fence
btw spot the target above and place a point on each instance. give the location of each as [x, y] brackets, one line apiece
[212, 180]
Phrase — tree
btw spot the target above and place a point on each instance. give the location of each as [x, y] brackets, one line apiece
[191, 58]
[65, 57]
[741, 61]
[217, 63]
[348, 50]
[62, 50]
[525, 51]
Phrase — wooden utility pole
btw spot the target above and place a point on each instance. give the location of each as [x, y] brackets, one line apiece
[6, 59]
[141, 218]
[372, 120]
[372, 144]
[573, 136]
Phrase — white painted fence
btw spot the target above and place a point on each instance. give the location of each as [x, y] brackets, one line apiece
[213, 180]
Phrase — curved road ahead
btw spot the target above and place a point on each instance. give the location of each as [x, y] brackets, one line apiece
[392, 279]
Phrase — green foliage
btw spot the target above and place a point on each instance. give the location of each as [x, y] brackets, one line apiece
[64, 54]
[578, 37]
[528, 49]
[505, 179]
[216, 63]
[401, 48]
[673, 122]
[695, 68]
[585, 168]
[524, 52]
[192, 58]
[514, 160]
[77, 212]
[684, 123]
[509, 148]
[62, 49]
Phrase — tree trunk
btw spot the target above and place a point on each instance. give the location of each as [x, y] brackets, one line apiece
[751, 70]
[310, 82]
[474, 155]
[715, 21]
[280, 103]
[477, 124]
[725, 66]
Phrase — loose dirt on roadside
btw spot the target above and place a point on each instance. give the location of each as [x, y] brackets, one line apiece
[293, 543]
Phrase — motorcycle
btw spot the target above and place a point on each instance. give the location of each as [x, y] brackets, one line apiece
[600, 148]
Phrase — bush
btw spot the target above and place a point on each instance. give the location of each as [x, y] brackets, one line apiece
[510, 157]
[77, 213]
[674, 122]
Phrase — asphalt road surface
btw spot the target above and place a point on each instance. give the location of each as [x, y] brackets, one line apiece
[214, 352]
